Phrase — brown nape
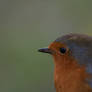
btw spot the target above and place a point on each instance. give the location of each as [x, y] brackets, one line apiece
[69, 76]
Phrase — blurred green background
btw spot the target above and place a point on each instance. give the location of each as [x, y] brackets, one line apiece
[25, 26]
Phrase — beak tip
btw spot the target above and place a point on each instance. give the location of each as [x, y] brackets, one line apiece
[45, 50]
[39, 50]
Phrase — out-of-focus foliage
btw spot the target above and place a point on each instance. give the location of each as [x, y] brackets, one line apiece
[25, 26]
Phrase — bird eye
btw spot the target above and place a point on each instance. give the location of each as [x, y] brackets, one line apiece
[63, 50]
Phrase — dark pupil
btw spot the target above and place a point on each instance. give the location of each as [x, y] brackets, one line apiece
[62, 50]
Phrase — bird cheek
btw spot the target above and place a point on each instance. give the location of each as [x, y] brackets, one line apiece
[57, 58]
[57, 55]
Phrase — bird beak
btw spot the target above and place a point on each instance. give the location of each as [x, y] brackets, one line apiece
[45, 50]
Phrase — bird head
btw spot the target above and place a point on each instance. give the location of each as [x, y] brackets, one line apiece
[71, 46]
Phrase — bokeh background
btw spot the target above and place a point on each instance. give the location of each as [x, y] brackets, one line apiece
[25, 26]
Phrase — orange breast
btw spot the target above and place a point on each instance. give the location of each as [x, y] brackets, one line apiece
[70, 77]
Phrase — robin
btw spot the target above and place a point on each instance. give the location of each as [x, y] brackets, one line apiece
[72, 55]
